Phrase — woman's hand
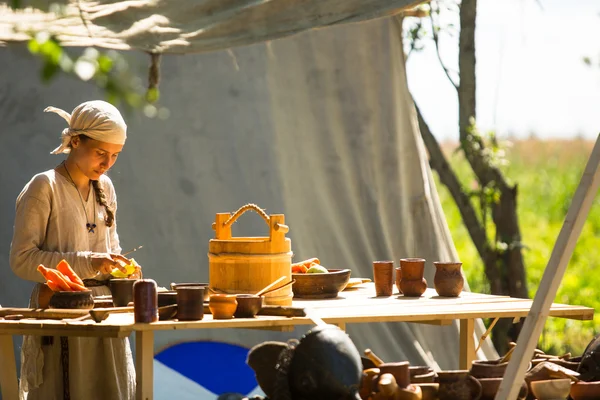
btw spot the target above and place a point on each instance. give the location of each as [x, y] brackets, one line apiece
[104, 263]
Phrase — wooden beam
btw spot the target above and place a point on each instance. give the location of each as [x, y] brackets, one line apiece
[144, 365]
[8, 369]
[467, 343]
[561, 254]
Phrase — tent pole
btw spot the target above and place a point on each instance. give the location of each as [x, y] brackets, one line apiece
[561, 254]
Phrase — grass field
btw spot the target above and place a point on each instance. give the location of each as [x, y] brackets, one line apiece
[547, 174]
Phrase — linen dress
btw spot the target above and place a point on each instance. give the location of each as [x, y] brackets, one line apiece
[50, 225]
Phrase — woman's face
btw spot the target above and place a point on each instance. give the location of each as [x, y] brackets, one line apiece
[93, 157]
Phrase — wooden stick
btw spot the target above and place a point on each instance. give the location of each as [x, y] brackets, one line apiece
[561, 254]
[485, 335]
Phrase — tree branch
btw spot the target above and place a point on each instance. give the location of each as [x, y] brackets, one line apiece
[440, 164]
[437, 47]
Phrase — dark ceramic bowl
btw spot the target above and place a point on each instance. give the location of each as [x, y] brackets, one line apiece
[207, 292]
[248, 305]
[320, 286]
[81, 300]
[585, 390]
[167, 298]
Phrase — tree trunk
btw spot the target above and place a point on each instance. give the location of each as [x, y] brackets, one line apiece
[504, 268]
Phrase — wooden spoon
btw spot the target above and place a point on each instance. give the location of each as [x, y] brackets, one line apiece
[262, 291]
[279, 287]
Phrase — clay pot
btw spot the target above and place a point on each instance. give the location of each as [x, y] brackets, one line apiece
[190, 303]
[248, 305]
[458, 385]
[490, 386]
[399, 370]
[429, 391]
[82, 300]
[122, 291]
[448, 280]
[222, 306]
[488, 369]
[413, 284]
[585, 390]
[398, 279]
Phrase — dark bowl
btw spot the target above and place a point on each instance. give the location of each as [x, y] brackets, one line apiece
[81, 300]
[320, 286]
[207, 292]
[248, 305]
[167, 298]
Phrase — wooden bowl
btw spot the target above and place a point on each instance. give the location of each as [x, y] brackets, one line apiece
[320, 286]
[551, 389]
[248, 305]
[81, 300]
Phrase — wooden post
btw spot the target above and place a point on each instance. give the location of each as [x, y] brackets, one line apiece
[8, 369]
[221, 231]
[144, 365]
[563, 249]
[467, 343]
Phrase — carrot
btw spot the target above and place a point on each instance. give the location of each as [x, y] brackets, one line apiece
[299, 269]
[64, 267]
[53, 286]
[307, 263]
[76, 287]
[53, 275]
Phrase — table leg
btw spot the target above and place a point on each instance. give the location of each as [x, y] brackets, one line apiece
[144, 365]
[8, 369]
[467, 343]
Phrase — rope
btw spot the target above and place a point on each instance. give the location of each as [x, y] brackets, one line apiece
[242, 210]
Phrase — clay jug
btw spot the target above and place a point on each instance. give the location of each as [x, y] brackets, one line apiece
[448, 280]
[413, 284]
[458, 385]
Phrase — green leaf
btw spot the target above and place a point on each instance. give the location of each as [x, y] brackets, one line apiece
[49, 71]
[152, 95]
[105, 63]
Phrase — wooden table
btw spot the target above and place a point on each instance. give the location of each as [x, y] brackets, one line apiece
[352, 306]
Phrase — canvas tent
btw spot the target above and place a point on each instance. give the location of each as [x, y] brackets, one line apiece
[319, 126]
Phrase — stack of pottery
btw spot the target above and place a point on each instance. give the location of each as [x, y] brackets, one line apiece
[390, 381]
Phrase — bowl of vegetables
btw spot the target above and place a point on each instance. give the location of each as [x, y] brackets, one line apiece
[313, 281]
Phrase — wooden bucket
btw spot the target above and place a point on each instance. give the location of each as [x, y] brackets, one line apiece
[248, 264]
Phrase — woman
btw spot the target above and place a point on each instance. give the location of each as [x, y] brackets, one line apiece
[69, 213]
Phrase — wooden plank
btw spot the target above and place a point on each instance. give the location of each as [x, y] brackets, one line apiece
[467, 343]
[553, 274]
[144, 365]
[8, 369]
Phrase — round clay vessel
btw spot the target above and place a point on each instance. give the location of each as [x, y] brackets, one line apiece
[448, 280]
[248, 305]
[399, 370]
[585, 390]
[490, 386]
[82, 300]
[488, 369]
[413, 284]
[551, 389]
[458, 385]
[121, 290]
[222, 306]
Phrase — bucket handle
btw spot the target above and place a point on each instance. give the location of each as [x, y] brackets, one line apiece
[226, 225]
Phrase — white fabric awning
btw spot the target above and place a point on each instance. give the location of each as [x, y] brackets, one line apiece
[185, 26]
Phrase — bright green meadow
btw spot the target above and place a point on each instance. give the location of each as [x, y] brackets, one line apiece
[547, 174]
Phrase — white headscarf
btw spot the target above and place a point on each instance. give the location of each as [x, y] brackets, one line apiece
[96, 119]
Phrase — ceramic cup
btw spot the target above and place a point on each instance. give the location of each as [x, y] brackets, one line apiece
[122, 291]
[190, 303]
[383, 276]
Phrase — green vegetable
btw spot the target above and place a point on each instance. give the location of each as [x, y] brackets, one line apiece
[317, 269]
